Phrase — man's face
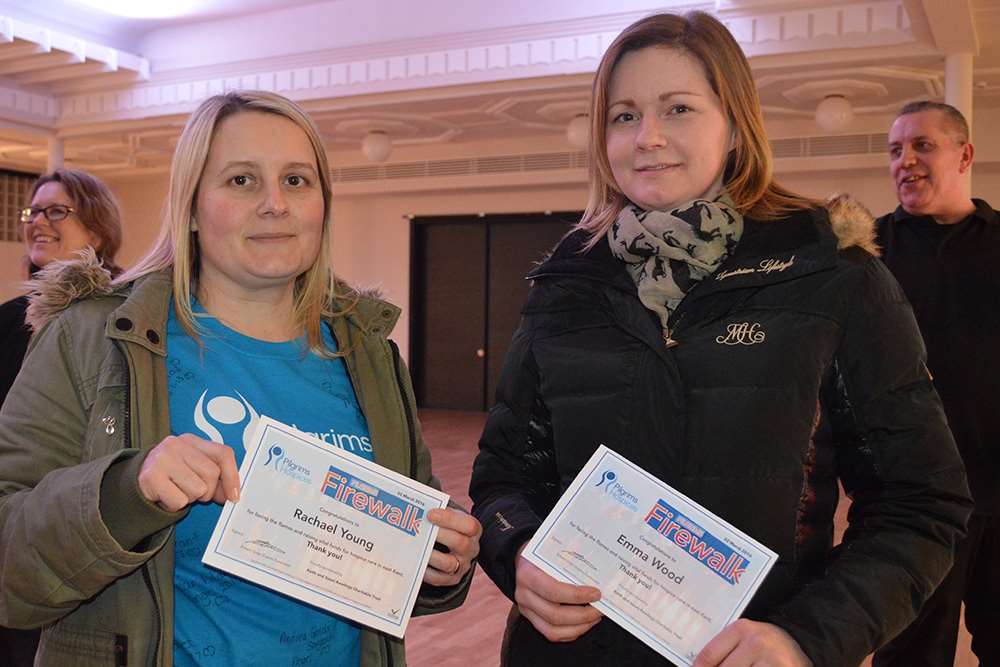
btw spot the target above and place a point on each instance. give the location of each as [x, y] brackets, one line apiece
[927, 163]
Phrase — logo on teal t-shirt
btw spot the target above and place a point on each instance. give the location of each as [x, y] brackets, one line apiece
[219, 393]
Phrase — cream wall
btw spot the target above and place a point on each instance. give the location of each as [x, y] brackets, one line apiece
[141, 199]
[11, 255]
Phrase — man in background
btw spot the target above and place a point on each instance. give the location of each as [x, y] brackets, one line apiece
[944, 249]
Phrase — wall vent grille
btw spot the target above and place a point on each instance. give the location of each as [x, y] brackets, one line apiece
[354, 174]
[461, 167]
[405, 170]
[500, 164]
[495, 164]
[841, 144]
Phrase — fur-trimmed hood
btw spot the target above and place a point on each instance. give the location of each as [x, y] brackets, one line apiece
[60, 283]
[852, 222]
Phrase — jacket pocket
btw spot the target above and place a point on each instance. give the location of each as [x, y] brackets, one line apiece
[80, 647]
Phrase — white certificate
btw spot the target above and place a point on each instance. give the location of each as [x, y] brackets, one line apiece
[327, 527]
[669, 571]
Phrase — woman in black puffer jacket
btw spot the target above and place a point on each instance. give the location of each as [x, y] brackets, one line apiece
[722, 334]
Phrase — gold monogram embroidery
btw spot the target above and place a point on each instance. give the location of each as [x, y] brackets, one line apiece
[741, 333]
[766, 266]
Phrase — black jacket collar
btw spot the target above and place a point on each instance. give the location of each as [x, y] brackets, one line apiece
[983, 212]
[768, 252]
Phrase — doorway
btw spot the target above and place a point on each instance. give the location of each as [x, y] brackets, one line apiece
[468, 287]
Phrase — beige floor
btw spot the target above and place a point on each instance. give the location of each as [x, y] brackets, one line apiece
[470, 636]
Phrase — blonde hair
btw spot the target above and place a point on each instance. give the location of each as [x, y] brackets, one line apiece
[315, 291]
[749, 171]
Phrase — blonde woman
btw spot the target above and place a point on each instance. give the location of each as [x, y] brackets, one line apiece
[711, 326]
[112, 462]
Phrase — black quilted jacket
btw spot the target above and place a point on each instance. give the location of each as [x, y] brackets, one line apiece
[797, 364]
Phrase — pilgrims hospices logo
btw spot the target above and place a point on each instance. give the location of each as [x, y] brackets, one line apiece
[277, 459]
[275, 453]
[613, 488]
[238, 418]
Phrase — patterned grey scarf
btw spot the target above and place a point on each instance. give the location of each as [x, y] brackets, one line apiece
[667, 252]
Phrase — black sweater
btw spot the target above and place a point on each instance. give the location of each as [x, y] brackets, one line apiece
[951, 274]
[14, 336]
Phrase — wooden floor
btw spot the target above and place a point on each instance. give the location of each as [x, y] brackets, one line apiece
[470, 636]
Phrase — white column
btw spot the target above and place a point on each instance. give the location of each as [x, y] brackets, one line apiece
[56, 146]
[958, 93]
[958, 83]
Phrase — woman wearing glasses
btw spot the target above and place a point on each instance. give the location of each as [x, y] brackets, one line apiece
[70, 211]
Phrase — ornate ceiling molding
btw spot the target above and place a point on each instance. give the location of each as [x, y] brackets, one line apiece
[538, 51]
[866, 24]
[430, 69]
[34, 58]
[36, 111]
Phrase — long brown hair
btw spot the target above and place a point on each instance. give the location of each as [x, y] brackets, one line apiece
[749, 173]
[96, 209]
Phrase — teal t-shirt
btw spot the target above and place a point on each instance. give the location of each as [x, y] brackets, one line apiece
[218, 393]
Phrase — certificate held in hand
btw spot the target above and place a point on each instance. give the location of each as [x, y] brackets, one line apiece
[669, 571]
[327, 527]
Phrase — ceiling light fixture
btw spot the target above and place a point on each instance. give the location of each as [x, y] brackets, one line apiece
[834, 113]
[376, 146]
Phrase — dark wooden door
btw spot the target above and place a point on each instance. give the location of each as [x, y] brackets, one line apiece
[468, 290]
[448, 370]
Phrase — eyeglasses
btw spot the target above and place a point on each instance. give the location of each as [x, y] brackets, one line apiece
[52, 212]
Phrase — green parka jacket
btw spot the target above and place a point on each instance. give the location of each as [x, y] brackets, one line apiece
[89, 404]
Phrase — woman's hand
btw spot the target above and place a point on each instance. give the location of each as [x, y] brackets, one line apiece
[185, 469]
[460, 533]
[746, 643]
[561, 612]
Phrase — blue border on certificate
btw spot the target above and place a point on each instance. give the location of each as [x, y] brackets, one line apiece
[414, 589]
[691, 507]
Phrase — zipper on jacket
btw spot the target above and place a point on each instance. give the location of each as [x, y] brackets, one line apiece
[674, 322]
[406, 410]
[388, 650]
[672, 325]
[668, 339]
[127, 417]
[146, 577]
[413, 455]
[121, 650]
